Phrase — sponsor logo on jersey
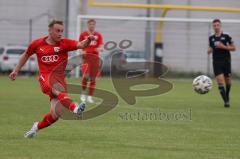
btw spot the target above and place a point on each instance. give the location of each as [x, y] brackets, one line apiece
[216, 43]
[50, 58]
[41, 49]
[56, 49]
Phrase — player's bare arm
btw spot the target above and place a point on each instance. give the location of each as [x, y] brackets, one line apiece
[230, 47]
[210, 50]
[83, 44]
[100, 48]
[23, 59]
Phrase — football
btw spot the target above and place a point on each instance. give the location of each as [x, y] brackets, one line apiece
[202, 84]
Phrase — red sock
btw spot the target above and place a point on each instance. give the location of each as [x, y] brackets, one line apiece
[92, 87]
[46, 121]
[66, 101]
[84, 83]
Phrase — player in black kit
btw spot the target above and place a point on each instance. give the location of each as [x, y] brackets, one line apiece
[220, 45]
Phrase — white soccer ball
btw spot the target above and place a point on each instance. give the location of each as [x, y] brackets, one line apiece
[202, 84]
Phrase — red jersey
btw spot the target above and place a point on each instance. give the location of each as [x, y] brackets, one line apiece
[98, 40]
[52, 57]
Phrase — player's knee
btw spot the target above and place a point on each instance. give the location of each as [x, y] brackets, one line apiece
[92, 79]
[93, 82]
[220, 83]
[228, 80]
[85, 76]
[56, 108]
[220, 79]
[85, 79]
[57, 89]
[55, 92]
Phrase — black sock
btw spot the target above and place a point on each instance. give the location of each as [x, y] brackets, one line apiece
[228, 88]
[222, 92]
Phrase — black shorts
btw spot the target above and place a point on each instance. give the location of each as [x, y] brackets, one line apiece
[222, 67]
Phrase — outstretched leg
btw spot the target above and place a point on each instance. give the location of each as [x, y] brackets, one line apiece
[47, 120]
[66, 101]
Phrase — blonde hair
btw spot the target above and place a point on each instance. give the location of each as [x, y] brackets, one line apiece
[54, 21]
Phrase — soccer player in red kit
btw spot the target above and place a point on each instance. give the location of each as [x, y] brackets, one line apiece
[51, 52]
[91, 60]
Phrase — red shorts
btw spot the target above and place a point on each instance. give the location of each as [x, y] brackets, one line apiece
[91, 65]
[48, 83]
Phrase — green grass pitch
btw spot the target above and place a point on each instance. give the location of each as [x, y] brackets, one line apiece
[211, 132]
